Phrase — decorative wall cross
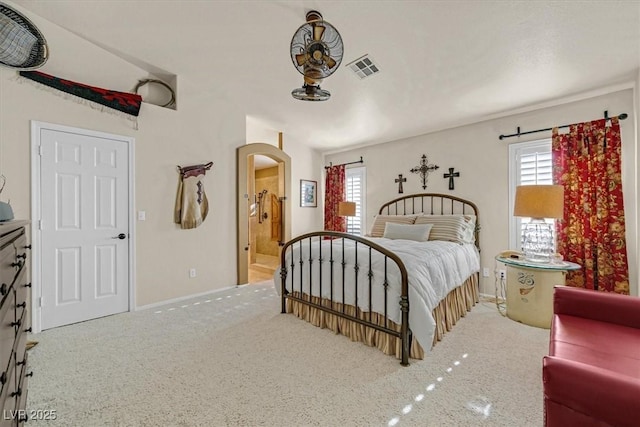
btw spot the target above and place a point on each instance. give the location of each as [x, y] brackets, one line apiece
[399, 181]
[451, 175]
[424, 169]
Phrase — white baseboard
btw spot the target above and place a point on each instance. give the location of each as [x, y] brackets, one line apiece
[175, 300]
[491, 297]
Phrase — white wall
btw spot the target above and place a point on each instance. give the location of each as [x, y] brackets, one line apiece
[204, 128]
[482, 160]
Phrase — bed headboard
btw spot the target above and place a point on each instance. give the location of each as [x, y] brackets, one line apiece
[432, 204]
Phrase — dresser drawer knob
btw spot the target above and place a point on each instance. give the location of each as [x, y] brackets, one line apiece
[29, 329]
[16, 323]
[22, 304]
[16, 264]
[27, 247]
[18, 392]
[23, 256]
[24, 362]
[4, 289]
[30, 374]
[28, 285]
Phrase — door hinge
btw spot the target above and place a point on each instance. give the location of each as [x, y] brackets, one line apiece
[40, 150]
[40, 302]
[39, 224]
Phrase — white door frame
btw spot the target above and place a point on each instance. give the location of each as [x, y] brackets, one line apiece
[36, 255]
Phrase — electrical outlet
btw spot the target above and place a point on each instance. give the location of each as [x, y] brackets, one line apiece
[485, 272]
[192, 273]
[503, 274]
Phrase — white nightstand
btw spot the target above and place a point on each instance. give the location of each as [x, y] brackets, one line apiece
[530, 289]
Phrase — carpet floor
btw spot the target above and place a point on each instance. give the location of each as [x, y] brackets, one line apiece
[231, 359]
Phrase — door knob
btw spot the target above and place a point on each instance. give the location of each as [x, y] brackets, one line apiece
[120, 236]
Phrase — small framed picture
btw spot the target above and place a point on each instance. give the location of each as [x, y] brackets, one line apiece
[308, 194]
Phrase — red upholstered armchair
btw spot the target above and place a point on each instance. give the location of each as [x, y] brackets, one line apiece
[592, 374]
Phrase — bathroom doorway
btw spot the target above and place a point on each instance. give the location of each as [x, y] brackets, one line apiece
[264, 173]
[264, 220]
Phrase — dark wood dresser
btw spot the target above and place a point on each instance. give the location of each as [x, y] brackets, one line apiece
[15, 322]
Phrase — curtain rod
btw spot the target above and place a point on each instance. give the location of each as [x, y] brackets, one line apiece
[606, 117]
[343, 164]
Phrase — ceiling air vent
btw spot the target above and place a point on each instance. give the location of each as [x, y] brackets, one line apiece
[364, 67]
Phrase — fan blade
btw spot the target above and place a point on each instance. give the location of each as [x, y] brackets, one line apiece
[302, 58]
[318, 31]
[329, 61]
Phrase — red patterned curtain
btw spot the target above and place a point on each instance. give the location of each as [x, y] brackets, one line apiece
[334, 194]
[587, 162]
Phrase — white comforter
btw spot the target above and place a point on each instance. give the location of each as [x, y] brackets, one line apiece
[434, 268]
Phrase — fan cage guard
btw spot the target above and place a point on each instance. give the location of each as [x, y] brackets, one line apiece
[331, 42]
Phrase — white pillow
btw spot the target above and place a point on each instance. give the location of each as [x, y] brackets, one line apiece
[377, 229]
[419, 233]
[452, 228]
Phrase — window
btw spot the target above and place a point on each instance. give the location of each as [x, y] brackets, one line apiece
[530, 163]
[355, 192]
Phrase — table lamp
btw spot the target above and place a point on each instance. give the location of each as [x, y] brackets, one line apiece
[538, 202]
[347, 209]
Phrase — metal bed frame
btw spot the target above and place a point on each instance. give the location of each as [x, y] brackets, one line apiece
[427, 203]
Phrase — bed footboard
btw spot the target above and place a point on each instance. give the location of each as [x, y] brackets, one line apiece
[329, 270]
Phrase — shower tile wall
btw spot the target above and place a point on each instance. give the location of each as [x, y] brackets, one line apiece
[266, 179]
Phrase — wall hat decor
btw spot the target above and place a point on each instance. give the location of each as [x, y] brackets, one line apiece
[22, 45]
[172, 100]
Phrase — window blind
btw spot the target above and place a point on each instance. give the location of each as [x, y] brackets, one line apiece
[533, 165]
[355, 189]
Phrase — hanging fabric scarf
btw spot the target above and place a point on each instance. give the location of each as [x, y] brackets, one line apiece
[192, 205]
[123, 102]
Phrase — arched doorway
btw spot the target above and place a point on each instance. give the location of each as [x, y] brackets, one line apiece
[246, 196]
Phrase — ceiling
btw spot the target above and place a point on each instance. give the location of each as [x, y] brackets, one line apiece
[443, 63]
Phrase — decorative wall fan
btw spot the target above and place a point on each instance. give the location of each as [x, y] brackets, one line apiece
[22, 45]
[316, 52]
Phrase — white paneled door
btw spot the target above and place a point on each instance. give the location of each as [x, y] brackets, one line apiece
[84, 228]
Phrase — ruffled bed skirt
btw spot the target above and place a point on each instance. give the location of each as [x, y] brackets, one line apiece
[455, 305]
